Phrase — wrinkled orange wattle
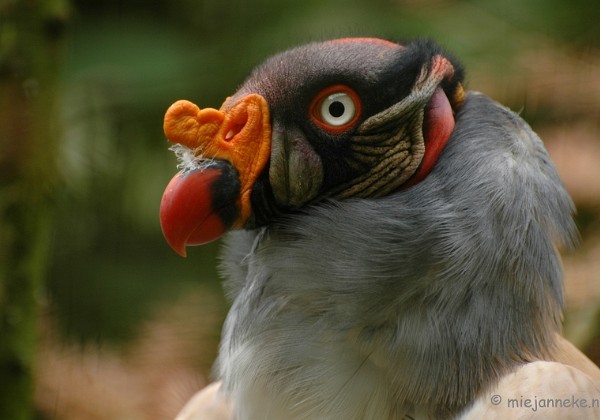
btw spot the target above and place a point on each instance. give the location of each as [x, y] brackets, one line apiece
[240, 135]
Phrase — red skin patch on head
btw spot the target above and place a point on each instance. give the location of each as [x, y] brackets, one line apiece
[367, 40]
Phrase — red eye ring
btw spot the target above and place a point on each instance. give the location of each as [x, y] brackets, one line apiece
[336, 109]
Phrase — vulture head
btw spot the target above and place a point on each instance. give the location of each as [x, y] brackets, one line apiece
[391, 244]
[350, 118]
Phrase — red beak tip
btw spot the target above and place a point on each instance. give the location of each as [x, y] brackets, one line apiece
[182, 250]
[177, 246]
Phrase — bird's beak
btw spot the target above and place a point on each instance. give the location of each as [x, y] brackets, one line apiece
[231, 147]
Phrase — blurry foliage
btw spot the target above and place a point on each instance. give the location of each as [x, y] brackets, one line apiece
[129, 60]
[30, 52]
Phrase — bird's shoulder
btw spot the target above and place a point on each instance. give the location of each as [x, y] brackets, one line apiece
[207, 404]
[566, 386]
[541, 389]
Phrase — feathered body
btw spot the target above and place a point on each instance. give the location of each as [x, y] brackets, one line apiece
[352, 300]
[363, 308]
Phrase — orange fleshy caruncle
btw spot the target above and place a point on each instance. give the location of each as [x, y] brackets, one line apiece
[239, 135]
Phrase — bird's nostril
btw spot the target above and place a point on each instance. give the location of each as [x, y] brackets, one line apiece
[234, 130]
[229, 135]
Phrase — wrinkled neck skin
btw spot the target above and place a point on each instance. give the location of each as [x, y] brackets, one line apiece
[418, 301]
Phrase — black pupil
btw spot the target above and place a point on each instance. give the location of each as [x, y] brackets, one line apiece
[336, 109]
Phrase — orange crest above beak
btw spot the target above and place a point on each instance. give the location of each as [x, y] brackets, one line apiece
[240, 135]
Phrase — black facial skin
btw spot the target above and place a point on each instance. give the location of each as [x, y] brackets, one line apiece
[290, 81]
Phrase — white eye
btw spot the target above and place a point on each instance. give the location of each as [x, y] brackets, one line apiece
[338, 109]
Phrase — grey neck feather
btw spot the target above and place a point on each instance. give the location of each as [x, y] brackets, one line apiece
[443, 286]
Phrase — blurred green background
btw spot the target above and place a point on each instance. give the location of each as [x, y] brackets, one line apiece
[129, 329]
